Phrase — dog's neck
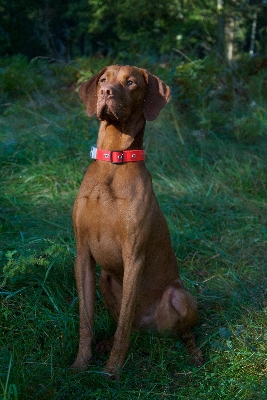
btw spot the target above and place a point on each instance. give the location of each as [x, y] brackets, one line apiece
[116, 136]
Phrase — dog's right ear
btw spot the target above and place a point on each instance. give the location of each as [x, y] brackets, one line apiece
[88, 93]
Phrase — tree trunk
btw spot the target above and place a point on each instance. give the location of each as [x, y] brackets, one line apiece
[220, 31]
[229, 37]
[253, 33]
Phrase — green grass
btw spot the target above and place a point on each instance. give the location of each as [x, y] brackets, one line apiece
[212, 190]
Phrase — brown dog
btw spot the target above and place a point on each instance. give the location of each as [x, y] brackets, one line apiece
[119, 225]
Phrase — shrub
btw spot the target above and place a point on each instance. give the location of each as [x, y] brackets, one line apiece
[19, 76]
[222, 97]
[21, 266]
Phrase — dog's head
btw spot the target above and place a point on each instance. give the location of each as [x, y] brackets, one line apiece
[120, 93]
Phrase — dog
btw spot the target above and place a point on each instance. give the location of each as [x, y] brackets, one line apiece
[118, 223]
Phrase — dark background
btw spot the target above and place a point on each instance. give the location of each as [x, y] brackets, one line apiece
[66, 29]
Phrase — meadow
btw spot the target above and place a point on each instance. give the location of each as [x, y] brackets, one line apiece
[207, 157]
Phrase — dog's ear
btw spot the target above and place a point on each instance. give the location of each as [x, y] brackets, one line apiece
[88, 92]
[158, 94]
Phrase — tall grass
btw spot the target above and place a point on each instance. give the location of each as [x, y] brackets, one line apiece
[212, 190]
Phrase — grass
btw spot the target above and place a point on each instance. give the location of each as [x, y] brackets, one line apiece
[212, 190]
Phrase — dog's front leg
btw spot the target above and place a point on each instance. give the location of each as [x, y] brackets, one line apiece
[132, 272]
[85, 280]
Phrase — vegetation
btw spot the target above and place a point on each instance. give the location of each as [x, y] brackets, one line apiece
[65, 29]
[207, 156]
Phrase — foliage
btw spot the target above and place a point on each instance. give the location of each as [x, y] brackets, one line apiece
[65, 29]
[20, 78]
[223, 98]
[33, 265]
[135, 27]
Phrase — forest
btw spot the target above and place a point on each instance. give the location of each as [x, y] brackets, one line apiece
[68, 29]
[206, 153]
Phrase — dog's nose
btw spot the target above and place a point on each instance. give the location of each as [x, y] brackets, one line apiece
[106, 91]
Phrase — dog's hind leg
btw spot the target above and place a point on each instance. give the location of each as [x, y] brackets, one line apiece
[177, 312]
[111, 292]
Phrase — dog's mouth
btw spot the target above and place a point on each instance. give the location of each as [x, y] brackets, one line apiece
[107, 110]
[102, 112]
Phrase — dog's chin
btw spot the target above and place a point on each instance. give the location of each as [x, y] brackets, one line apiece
[105, 113]
[102, 112]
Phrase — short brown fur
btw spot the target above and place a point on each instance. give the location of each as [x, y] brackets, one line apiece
[119, 225]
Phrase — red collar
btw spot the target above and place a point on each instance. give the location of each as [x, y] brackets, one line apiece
[117, 156]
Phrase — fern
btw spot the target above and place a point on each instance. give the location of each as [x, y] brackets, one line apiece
[24, 264]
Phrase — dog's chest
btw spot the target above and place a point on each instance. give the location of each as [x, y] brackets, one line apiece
[107, 224]
[115, 208]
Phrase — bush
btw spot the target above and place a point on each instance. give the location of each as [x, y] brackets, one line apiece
[20, 77]
[222, 98]
[25, 265]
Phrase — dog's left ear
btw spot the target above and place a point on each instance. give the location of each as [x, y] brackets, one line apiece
[158, 94]
[88, 92]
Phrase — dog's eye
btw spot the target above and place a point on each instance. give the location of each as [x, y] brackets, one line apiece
[103, 80]
[129, 82]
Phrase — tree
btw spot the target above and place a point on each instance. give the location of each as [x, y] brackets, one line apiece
[65, 29]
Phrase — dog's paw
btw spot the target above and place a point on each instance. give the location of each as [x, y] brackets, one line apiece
[80, 364]
[112, 373]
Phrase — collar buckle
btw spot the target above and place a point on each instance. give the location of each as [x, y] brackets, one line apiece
[116, 156]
